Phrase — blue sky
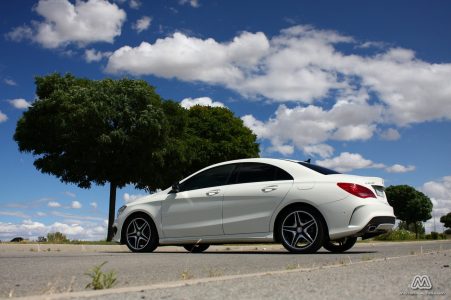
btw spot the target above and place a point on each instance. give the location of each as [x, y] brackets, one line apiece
[362, 87]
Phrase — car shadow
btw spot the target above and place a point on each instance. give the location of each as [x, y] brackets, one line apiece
[243, 252]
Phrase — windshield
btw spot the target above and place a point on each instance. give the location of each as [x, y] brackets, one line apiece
[319, 169]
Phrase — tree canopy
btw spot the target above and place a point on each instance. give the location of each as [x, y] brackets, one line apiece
[409, 205]
[122, 132]
[446, 220]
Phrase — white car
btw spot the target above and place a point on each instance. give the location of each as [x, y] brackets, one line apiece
[301, 205]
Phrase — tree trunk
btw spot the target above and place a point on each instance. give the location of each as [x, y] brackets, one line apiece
[416, 230]
[112, 211]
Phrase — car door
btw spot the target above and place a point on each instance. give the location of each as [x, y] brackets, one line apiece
[250, 199]
[196, 210]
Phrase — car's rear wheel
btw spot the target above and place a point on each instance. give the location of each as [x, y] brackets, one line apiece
[196, 248]
[140, 234]
[301, 230]
[340, 245]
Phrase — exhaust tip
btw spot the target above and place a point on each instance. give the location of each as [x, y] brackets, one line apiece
[371, 228]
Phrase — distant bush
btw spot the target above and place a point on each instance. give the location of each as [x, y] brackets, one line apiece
[42, 239]
[448, 231]
[436, 236]
[396, 235]
[57, 238]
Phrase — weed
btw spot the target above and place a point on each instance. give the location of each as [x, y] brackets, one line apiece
[186, 275]
[99, 279]
[292, 267]
[214, 273]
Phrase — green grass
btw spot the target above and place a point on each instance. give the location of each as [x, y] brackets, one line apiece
[99, 279]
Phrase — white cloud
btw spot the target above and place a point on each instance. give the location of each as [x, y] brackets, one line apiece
[142, 24]
[304, 65]
[93, 205]
[346, 162]
[64, 23]
[308, 127]
[54, 204]
[75, 204]
[135, 4]
[92, 55]
[41, 214]
[192, 3]
[192, 59]
[439, 192]
[131, 198]
[20, 103]
[397, 168]
[73, 230]
[390, 134]
[203, 101]
[9, 82]
[3, 117]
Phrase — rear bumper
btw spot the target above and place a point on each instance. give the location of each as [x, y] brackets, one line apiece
[376, 226]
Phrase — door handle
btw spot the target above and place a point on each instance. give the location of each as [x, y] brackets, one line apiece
[212, 193]
[269, 188]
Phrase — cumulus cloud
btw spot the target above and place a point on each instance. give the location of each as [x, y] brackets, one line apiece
[192, 59]
[53, 204]
[390, 134]
[3, 117]
[397, 168]
[142, 24]
[135, 4]
[305, 65]
[192, 3]
[20, 103]
[92, 55]
[10, 82]
[75, 204]
[31, 230]
[345, 121]
[346, 162]
[440, 193]
[82, 23]
[93, 205]
[203, 101]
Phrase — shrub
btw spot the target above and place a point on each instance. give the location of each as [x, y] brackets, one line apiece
[396, 235]
[42, 239]
[57, 238]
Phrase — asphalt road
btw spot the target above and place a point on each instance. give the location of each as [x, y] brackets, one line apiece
[244, 272]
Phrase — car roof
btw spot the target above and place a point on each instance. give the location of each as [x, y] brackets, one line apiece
[291, 166]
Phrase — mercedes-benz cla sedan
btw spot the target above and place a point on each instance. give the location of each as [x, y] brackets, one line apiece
[301, 205]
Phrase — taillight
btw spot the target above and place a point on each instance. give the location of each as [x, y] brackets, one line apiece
[357, 190]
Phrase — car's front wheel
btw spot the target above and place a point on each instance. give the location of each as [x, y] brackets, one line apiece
[340, 245]
[301, 230]
[196, 248]
[140, 234]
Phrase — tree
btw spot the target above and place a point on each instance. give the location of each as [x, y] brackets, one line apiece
[411, 227]
[409, 205]
[120, 132]
[446, 220]
[214, 135]
[106, 131]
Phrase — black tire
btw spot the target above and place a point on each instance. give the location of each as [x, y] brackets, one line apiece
[196, 248]
[140, 234]
[340, 245]
[301, 230]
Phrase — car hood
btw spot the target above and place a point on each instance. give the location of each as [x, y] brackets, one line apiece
[150, 198]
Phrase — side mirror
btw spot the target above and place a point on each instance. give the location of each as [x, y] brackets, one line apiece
[175, 187]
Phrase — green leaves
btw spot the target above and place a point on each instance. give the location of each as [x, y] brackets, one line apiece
[409, 204]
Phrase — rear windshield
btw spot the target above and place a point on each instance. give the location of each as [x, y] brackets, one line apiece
[319, 169]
